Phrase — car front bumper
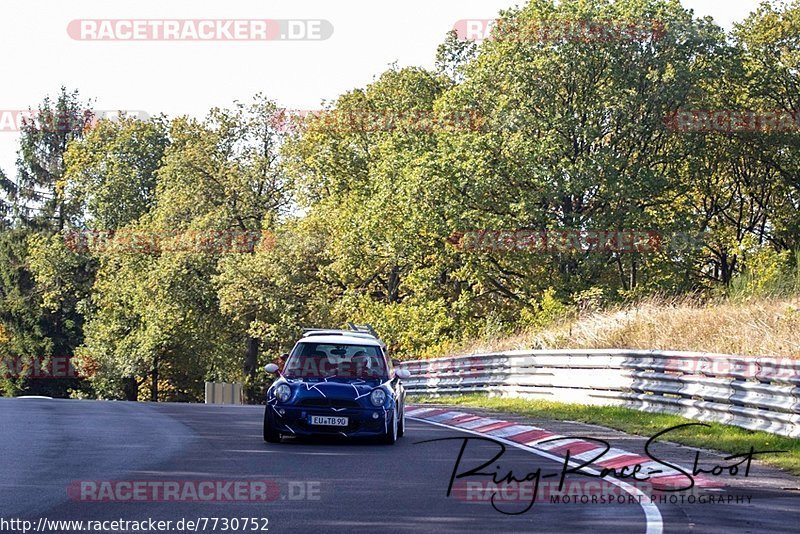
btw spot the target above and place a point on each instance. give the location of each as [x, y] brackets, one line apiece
[362, 422]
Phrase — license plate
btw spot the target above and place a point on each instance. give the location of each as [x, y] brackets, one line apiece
[324, 420]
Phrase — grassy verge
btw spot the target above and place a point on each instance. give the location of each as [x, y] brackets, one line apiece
[725, 438]
[755, 327]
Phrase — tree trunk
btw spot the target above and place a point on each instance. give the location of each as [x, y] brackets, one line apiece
[621, 271]
[154, 382]
[250, 370]
[130, 388]
[393, 285]
[727, 266]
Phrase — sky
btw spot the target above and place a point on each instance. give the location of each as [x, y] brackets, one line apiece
[182, 77]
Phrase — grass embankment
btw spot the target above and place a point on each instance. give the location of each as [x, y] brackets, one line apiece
[724, 438]
[749, 327]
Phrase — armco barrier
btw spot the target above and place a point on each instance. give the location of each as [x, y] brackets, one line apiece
[222, 393]
[754, 393]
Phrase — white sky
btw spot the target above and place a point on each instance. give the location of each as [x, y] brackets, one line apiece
[191, 77]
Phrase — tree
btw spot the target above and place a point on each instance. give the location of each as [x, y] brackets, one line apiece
[453, 55]
[574, 139]
[770, 42]
[40, 159]
[362, 169]
[7, 191]
[158, 313]
[109, 182]
[37, 327]
[110, 174]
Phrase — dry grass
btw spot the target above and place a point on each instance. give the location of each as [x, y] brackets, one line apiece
[763, 327]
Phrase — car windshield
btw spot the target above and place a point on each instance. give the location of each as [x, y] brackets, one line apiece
[322, 360]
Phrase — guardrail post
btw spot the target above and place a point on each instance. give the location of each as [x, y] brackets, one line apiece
[209, 393]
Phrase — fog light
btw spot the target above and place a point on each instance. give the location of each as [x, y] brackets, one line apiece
[375, 415]
[281, 412]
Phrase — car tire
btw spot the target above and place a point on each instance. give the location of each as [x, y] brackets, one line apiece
[391, 436]
[270, 434]
[401, 424]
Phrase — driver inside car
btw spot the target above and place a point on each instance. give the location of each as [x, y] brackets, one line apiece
[360, 364]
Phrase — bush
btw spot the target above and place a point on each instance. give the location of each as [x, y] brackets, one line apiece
[767, 273]
[548, 311]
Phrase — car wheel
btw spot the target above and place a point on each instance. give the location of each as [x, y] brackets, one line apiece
[401, 425]
[270, 435]
[391, 434]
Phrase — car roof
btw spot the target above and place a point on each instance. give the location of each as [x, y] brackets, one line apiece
[341, 339]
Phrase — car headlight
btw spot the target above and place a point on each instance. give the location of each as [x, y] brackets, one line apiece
[283, 392]
[377, 397]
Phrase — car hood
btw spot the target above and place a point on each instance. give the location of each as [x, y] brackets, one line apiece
[334, 387]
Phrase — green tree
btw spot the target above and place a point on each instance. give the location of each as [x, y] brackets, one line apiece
[109, 182]
[770, 41]
[220, 176]
[575, 139]
[40, 159]
[37, 326]
[110, 174]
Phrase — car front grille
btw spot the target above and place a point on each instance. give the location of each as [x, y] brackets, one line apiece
[328, 403]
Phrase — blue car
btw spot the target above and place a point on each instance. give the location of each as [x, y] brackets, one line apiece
[336, 382]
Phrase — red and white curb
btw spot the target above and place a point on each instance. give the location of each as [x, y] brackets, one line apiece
[532, 436]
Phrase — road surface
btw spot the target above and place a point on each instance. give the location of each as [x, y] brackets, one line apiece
[57, 457]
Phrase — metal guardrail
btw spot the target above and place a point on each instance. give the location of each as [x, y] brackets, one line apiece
[223, 393]
[753, 393]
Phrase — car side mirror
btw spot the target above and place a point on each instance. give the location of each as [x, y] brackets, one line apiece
[403, 374]
[271, 368]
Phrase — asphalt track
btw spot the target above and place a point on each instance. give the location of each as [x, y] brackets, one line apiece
[48, 447]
